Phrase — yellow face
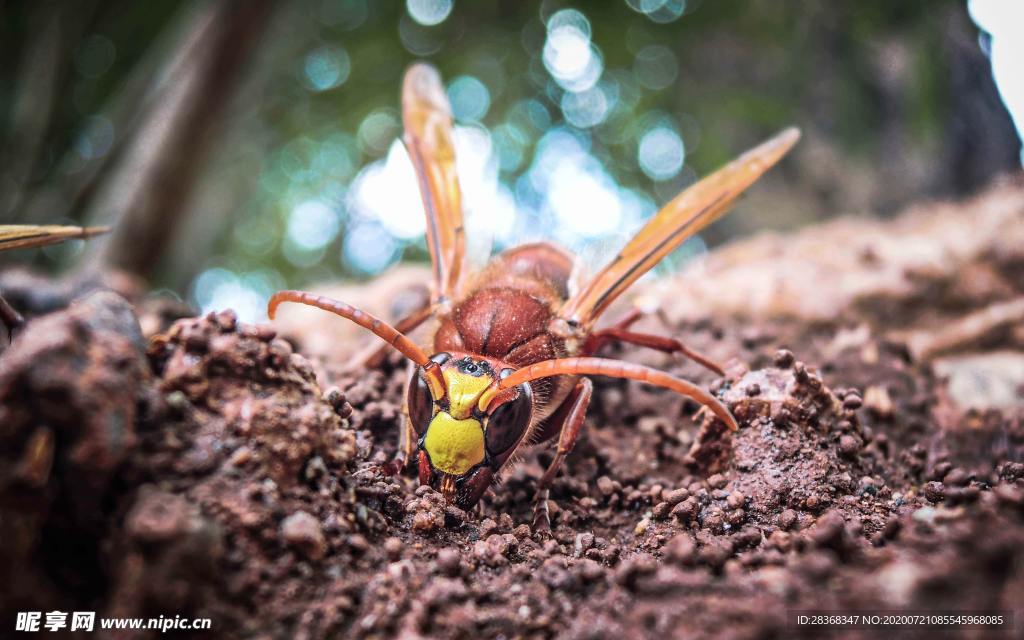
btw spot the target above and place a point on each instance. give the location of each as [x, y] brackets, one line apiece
[466, 435]
[455, 438]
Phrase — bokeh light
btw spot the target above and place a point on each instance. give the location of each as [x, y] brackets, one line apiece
[245, 292]
[586, 109]
[429, 12]
[96, 139]
[469, 98]
[386, 191]
[569, 55]
[661, 153]
[312, 225]
[368, 247]
[326, 68]
[660, 11]
[377, 131]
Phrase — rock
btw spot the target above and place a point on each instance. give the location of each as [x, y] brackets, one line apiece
[935, 491]
[304, 533]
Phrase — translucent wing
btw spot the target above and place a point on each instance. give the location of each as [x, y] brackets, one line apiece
[685, 215]
[427, 117]
[21, 236]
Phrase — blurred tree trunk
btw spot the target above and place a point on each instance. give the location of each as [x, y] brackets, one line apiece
[42, 63]
[147, 194]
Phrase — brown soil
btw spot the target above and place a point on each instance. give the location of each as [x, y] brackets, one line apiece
[210, 470]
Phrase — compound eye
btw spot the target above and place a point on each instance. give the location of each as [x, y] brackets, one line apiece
[507, 424]
[419, 402]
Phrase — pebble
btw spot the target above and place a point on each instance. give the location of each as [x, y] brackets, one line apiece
[714, 519]
[957, 477]
[676, 496]
[736, 517]
[589, 570]
[780, 540]
[606, 485]
[393, 548]
[522, 532]
[852, 402]
[1012, 470]
[158, 517]
[681, 549]
[1009, 495]
[610, 554]
[336, 399]
[303, 532]
[448, 561]
[877, 399]
[661, 510]
[425, 521]
[784, 358]
[787, 519]
[935, 491]
[358, 542]
[891, 528]
[715, 554]
[848, 446]
[940, 470]
[829, 531]
[226, 320]
[686, 511]
[633, 568]
[487, 527]
[554, 574]
[748, 537]
[495, 549]
[241, 456]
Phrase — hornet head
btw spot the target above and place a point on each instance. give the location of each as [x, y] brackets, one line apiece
[467, 427]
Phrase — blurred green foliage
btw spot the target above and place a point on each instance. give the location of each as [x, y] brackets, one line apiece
[869, 82]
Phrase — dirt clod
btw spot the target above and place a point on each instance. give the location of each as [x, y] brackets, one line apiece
[303, 532]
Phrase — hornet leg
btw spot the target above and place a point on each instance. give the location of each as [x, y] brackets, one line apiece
[620, 333]
[406, 444]
[10, 317]
[570, 417]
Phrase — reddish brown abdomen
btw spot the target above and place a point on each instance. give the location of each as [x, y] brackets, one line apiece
[541, 261]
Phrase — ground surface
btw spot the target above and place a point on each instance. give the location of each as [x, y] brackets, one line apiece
[203, 468]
